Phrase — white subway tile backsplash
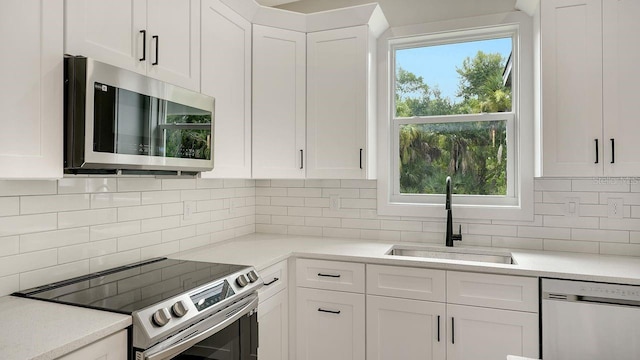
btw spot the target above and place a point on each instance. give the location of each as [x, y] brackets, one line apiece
[322, 222]
[9, 245]
[84, 251]
[428, 237]
[341, 233]
[159, 250]
[628, 199]
[342, 193]
[138, 241]
[552, 185]
[110, 200]
[25, 224]
[263, 183]
[139, 184]
[86, 218]
[112, 260]
[538, 232]
[322, 183]
[287, 220]
[160, 223]
[562, 197]
[53, 239]
[600, 235]
[160, 197]
[304, 192]
[600, 185]
[209, 205]
[271, 229]
[20, 263]
[278, 183]
[368, 194]
[401, 225]
[304, 230]
[77, 185]
[581, 222]
[342, 213]
[9, 206]
[195, 195]
[620, 224]
[194, 242]
[179, 233]
[139, 212]
[516, 243]
[317, 202]
[358, 184]
[620, 249]
[572, 246]
[497, 230]
[237, 183]
[178, 184]
[109, 231]
[210, 227]
[304, 211]
[53, 203]
[361, 224]
[209, 183]
[235, 223]
[476, 240]
[172, 209]
[287, 201]
[358, 203]
[27, 187]
[51, 274]
[382, 235]
[222, 193]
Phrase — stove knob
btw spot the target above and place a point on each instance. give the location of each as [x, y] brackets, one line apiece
[253, 277]
[161, 317]
[242, 281]
[179, 309]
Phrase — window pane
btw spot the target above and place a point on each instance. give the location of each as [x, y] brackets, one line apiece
[461, 78]
[474, 154]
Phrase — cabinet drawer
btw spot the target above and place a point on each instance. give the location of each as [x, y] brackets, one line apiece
[113, 346]
[330, 275]
[494, 291]
[403, 282]
[275, 278]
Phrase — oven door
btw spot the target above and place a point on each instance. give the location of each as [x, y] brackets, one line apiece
[235, 338]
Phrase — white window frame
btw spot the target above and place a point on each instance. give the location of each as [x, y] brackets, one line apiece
[518, 202]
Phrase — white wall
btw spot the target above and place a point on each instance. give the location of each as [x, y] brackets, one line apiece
[54, 230]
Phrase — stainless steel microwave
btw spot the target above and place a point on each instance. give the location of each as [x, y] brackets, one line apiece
[120, 121]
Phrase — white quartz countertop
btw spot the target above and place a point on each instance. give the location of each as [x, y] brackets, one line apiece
[263, 250]
[38, 330]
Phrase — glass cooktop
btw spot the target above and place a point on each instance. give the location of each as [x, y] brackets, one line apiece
[132, 287]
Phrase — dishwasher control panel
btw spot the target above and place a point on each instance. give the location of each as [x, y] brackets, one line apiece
[553, 289]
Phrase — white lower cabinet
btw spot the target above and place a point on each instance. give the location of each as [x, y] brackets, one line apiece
[273, 333]
[330, 325]
[486, 334]
[405, 329]
[113, 347]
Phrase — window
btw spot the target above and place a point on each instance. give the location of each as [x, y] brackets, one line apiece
[457, 108]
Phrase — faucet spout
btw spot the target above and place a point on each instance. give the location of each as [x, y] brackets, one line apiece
[450, 236]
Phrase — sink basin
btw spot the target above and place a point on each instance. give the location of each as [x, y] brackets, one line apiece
[453, 254]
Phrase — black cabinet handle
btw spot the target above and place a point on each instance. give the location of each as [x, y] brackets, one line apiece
[453, 331]
[613, 151]
[596, 140]
[271, 282]
[301, 159]
[144, 45]
[329, 275]
[360, 158]
[438, 328]
[157, 39]
[329, 311]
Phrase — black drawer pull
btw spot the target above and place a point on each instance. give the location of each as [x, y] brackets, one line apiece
[453, 331]
[337, 312]
[301, 159]
[438, 328]
[144, 45]
[360, 158]
[613, 151]
[596, 140]
[157, 39]
[329, 275]
[271, 282]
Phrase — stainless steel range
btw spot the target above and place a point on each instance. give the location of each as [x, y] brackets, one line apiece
[180, 309]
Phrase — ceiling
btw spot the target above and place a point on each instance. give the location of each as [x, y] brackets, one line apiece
[406, 12]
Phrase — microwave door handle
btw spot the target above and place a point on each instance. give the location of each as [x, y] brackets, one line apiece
[180, 347]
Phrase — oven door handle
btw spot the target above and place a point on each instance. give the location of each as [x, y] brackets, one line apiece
[178, 348]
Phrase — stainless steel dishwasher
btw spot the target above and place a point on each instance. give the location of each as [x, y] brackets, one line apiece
[590, 321]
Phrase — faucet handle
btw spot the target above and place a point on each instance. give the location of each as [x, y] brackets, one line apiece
[458, 236]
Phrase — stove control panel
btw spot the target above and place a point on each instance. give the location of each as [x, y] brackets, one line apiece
[242, 281]
[161, 317]
[179, 309]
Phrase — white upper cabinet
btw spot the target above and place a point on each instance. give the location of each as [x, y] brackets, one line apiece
[31, 89]
[159, 38]
[108, 31]
[279, 98]
[621, 76]
[572, 88]
[589, 84]
[226, 76]
[338, 117]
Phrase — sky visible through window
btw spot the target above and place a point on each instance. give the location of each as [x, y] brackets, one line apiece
[437, 64]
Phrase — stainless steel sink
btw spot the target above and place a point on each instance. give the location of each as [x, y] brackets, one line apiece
[480, 255]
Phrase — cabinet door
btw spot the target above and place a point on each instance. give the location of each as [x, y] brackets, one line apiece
[108, 31]
[279, 98]
[405, 329]
[337, 103]
[475, 333]
[31, 70]
[571, 33]
[621, 77]
[329, 325]
[173, 44]
[273, 335]
[113, 347]
[226, 75]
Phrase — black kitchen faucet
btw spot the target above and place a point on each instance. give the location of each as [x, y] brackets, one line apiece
[450, 236]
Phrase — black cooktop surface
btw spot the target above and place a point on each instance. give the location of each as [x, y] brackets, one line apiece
[132, 287]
